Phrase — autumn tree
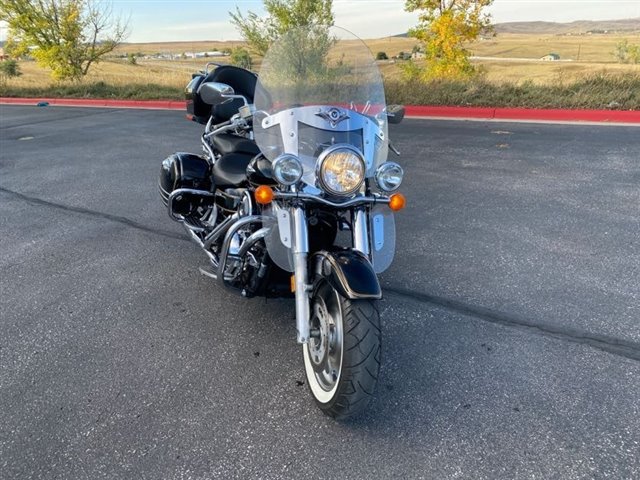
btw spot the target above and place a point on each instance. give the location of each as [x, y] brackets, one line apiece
[283, 15]
[444, 27]
[67, 36]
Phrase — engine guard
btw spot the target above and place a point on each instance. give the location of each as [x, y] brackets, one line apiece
[348, 271]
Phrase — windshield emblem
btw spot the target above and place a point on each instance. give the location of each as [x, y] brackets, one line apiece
[334, 116]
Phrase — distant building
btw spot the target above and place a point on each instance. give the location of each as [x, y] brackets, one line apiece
[209, 54]
[552, 57]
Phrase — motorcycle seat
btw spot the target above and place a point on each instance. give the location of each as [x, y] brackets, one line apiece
[231, 169]
[226, 143]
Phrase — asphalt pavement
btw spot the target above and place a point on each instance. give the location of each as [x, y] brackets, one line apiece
[511, 317]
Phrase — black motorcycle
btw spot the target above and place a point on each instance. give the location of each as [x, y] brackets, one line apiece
[293, 196]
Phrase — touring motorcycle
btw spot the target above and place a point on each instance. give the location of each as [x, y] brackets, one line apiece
[293, 196]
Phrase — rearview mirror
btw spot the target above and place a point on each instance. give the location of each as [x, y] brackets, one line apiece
[213, 93]
[395, 113]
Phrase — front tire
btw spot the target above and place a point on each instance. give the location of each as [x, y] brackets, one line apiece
[342, 357]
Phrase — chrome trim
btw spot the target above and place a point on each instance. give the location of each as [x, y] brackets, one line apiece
[226, 126]
[206, 273]
[183, 191]
[211, 238]
[232, 230]
[281, 158]
[208, 149]
[195, 238]
[288, 122]
[164, 195]
[360, 232]
[248, 198]
[252, 239]
[320, 163]
[300, 252]
[378, 232]
[382, 169]
[352, 202]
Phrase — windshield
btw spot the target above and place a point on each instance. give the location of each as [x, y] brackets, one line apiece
[317, 88]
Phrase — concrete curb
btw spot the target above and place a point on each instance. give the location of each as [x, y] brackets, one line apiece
[488, 113]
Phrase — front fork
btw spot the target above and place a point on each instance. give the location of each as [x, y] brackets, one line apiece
[303, 288]
[300, 255]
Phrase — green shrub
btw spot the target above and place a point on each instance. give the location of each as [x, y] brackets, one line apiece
[9, 69]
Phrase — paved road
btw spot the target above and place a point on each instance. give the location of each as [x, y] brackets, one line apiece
[511, 318]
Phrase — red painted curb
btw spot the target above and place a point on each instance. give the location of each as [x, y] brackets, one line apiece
[549, 115]
[92, 102]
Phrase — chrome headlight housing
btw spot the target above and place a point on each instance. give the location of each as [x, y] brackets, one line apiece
[389, 176]
[287, 169]
[341, 170]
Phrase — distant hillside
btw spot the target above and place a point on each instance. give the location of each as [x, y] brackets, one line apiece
[580, 26]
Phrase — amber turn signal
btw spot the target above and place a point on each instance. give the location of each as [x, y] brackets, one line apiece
[293, 284]
[397, 202]
[264, 195]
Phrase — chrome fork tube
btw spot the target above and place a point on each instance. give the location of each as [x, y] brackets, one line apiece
[361, 231]
[300, 253]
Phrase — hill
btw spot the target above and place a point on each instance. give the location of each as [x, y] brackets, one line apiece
[577, 27]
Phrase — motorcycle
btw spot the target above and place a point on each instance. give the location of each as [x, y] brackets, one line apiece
[293, 196]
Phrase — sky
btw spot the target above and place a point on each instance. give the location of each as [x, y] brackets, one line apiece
[171, 20]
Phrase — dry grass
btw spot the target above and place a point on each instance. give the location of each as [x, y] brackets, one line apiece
[597, 49]
[548, 73]
[168, 77]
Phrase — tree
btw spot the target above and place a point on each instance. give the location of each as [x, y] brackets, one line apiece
[8, 69]
[283, 15]
[445, 26]
[67, 36]
[240, 57]
[626, 53]
[382, 56]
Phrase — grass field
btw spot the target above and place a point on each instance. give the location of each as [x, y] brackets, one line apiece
[507, 60]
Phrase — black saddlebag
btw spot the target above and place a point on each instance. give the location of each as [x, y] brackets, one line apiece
[184, 170]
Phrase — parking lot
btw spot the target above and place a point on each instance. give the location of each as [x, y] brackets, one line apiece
[511, 316]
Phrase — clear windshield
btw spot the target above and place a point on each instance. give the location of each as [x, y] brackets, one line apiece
[317, 88]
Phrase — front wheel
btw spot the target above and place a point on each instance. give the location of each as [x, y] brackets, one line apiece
[342, 357]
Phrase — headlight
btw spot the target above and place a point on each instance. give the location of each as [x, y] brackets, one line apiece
[389, 176]
[287, 169]
[341, 170]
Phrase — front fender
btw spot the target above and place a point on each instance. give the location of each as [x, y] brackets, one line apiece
[348, 271]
